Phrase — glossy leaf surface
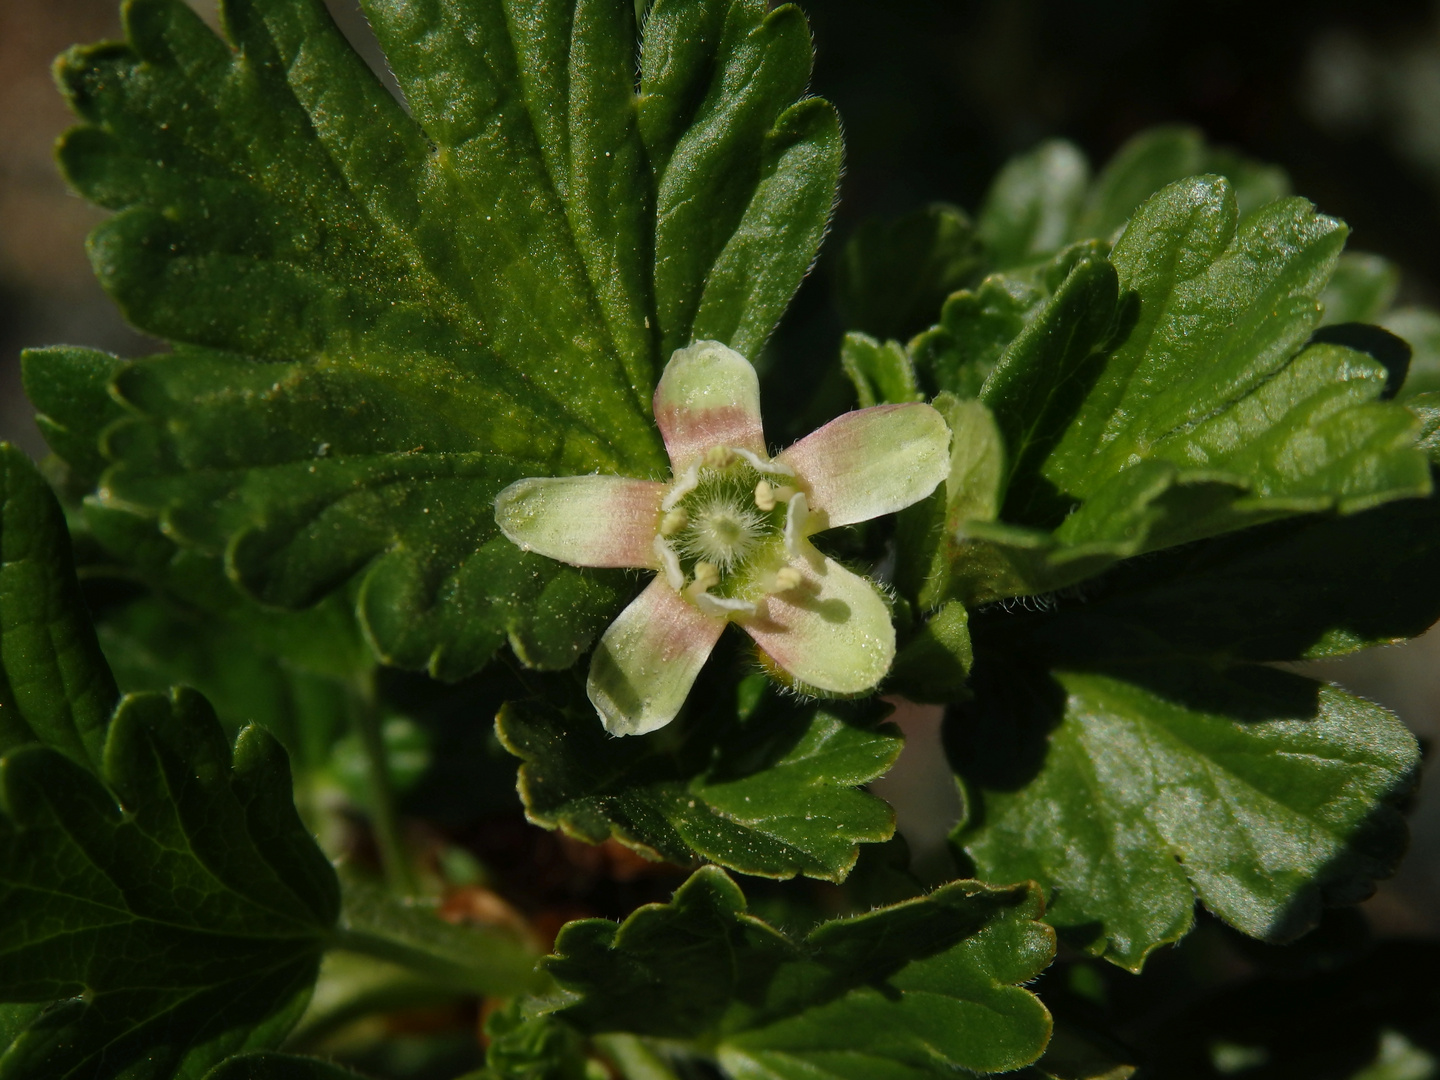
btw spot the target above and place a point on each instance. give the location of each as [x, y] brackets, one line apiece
[1130, 790]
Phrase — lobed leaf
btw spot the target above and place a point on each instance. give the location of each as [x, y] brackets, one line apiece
[55, 687]
[1120, 750]
[1030, 209]
[920, 989]
[1198, 404]
[159, 891]
[761, 784]
[189, 908]
[384, 314]
[894, 275]
[1129, 789]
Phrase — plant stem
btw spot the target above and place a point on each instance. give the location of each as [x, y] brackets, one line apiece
[633, 1058]
[383, 819]
[513, 973]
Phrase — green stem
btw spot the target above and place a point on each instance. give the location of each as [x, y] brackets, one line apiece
[512, 969]
[394, 859]
[633, 1058]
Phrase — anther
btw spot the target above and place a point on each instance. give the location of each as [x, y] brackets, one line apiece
[765, 496]
[674, 521]
[717, 457]
[706, 575]
[786, 578]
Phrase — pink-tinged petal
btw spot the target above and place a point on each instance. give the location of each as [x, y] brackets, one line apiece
[871, 462]
[583, 520]
[709, 395]
[832, 631]
[647, 660]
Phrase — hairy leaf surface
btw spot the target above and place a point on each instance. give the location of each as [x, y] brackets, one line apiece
[762, 785]
[383, 314]
[1177, 396]
[920, 989]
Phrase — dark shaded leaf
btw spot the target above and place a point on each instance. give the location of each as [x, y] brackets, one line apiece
[1360, 1020]
[920, 989]
[278, 1067]
[746, 778]
[191, 915]
[893, 275]
[55, 687]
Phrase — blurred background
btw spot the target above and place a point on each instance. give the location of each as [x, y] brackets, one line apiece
[1344, 96]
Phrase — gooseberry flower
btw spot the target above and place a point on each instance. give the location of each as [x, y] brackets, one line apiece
[729, 538]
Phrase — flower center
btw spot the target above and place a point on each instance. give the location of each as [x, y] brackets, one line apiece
[725, 528]
[722, 530]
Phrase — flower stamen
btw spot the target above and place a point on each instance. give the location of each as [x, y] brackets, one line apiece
[795, 518]
[669, 563]
[787, 578]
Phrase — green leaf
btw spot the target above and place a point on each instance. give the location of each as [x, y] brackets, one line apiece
[745, 778]
[530, 1045]
[1301, 589]
[1211, 413]
[55, 687]
[934, 664]
[278, 1067]
[1129, 789]
[189, 908]
[1133, 700]
[70, 390]
[1361, 290]
[977, 325]
[384, 315]
[1426, 408]
[1420, 328]
[894, 275]
[1030, 210]
[1157, 158]
[485, 960]
[1045, 199]
[882, 373]
[920, 989]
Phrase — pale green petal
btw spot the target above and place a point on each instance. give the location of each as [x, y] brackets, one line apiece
[647, 660]
[709, 395]
[871, 462]
[583, 520]
[832, 632]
